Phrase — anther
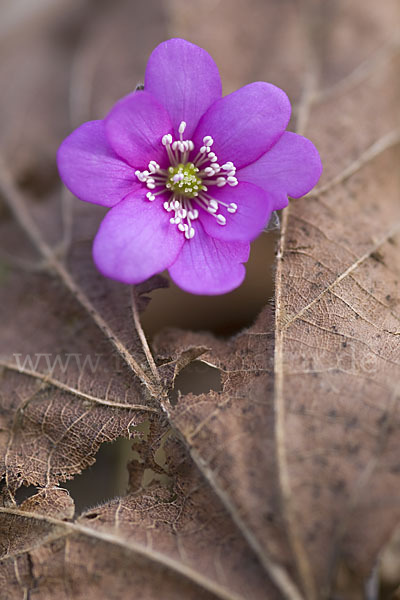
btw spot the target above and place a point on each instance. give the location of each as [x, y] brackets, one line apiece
[220, 219]
[153, 166]
[166, 139]
[189, 233]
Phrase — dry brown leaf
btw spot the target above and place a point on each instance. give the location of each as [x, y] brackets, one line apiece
[160, 542]
[291, 488]
[337, 308]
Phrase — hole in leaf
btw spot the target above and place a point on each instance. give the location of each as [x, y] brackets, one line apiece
[223, 315]
[92, 515]
[160, 456]
[106, 479]
[197, 378]
[149, 476]
[143, 428]
[25, 492]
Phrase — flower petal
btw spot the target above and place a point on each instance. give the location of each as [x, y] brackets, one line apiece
[208, 266]
[136, 240]
[185, 79]
[292, 167]
[246, 123]
[135, 126]
[254, 209]
[90, 168]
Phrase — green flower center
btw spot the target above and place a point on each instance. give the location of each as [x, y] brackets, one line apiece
[184, 180]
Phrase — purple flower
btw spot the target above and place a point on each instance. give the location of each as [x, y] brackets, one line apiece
[191, 177]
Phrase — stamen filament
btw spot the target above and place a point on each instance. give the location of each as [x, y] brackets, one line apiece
[188, 182]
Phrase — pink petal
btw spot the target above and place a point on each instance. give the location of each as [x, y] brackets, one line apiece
[136, 240]
[291, 168]
[90, 168]
[207, 266]
[185, 80]
[246, 123]
[135, 127]
[254, 209]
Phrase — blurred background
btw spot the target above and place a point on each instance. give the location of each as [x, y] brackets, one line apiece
[63, 62]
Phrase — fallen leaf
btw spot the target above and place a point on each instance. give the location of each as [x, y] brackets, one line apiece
[284, 482]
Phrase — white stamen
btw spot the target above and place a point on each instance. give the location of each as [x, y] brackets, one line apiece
[167, 139]
[220, 219]
[153, 166]
[188, 187]
[189, 233]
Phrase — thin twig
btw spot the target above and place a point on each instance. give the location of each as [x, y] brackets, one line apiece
[17, 205]
[142, 336]
[369, 66]
[387, 141]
